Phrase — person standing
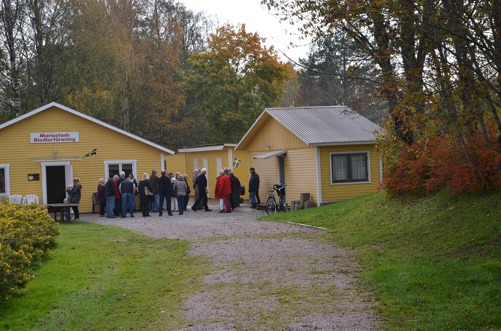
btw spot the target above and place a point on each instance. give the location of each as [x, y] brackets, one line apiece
[173, 179]
[253, 187]
[154, 185]
[196, 173]
[101, 197]
[118, 200]
[127, 192]
[227, 191]
[180, 188]
[144, 198]
[188, 191]
[218, 191]
[165, 192]
[134, 181]
[224, 191]
[109, 192]
[121, 178]
[235, 189]
[202, 191]
[74, 195]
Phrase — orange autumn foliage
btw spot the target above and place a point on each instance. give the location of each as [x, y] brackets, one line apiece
[440, 163]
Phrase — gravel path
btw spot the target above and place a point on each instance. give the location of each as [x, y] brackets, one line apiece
[264, 275]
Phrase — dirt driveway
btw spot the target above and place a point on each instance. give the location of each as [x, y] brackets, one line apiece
[264, 275]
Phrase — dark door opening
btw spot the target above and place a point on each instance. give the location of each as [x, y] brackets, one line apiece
[281, 169]
[56, 183]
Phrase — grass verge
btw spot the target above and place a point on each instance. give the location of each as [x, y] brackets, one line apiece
[434, 262]
[103, 278]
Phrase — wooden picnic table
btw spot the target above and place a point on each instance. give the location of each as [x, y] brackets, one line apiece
[59, 207]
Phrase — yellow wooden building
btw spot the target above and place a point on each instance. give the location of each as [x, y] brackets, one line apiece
[43, 150]
[328, 152]
[213, 158]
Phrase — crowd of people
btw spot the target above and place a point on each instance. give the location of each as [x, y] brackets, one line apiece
[169, 190]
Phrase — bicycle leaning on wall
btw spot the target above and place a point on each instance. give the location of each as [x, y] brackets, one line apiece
[272, 206]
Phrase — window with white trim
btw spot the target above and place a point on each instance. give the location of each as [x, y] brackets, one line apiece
[112, 168]
[350, 167]
[4, 180]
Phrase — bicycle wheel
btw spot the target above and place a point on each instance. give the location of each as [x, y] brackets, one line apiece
[286, 207]
[283, 206]
[271, 206]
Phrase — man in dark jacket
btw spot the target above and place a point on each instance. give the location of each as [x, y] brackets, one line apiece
[253, 187]
[127, 190]
[156, 195]
[109, 192]
[165, 193]
[202, 191]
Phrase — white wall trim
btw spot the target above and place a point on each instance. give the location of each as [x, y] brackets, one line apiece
[6, 167]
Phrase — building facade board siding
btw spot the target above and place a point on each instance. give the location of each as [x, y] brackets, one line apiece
[28, 158]
[267, 169]
[274, 136]
[301, 173]
[177, 163]
[338, 192]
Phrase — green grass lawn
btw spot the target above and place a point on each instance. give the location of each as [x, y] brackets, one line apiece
[105, 278]
[434, 262]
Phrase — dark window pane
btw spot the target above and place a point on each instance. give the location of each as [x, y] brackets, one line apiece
[340, 167]
[2, 180]
[349, 168]
[113, 169]
[359, 166]
[127, 168]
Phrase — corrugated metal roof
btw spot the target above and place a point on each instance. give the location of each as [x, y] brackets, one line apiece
[326, 125]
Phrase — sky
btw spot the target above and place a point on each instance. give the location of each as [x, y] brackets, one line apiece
[257, 19]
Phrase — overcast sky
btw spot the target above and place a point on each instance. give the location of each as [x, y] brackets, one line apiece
[257, 19]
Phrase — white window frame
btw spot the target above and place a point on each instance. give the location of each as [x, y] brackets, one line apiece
[6, 168]
[119, 162]
[368, 181]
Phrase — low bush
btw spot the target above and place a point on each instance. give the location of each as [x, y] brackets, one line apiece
[27, 232]
[442, 164]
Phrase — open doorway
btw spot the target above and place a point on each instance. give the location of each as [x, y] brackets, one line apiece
[56, 184]
[55, 178]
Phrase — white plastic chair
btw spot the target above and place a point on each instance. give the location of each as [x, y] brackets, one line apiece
[16, 198]
[31, 198]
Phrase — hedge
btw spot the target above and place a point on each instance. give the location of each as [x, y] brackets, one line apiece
[27, 232]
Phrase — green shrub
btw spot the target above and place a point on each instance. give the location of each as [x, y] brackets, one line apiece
[27, 232]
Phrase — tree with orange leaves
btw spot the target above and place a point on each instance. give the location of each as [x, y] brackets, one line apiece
[234, 81]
